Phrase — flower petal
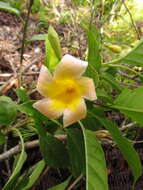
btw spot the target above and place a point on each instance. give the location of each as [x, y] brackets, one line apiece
[44, 78]
[88, 87]
[46, 108]
[70, 67]
[71, 116]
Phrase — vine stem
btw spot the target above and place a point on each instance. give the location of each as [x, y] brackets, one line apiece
[23, 40]
[132, 20]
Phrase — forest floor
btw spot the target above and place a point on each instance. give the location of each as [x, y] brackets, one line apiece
[11, 27]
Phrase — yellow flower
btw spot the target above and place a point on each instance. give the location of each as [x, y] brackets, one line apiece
[65, 91]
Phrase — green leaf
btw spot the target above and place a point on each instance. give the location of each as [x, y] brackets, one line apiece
[126, 148]
[96, 172]
[51, 59]
[37, 37]
[111, 80]
[27, 108]
[94, 58]
[6, 7]
[55, 42]
[92, 73]
[35, 175]
[21, 182]
[130, 103]
[22, 158]
[135, 56]
[61, 186]
[53, 49]
[22, 94]
[76, 151]
[8, 110]
[54, 151]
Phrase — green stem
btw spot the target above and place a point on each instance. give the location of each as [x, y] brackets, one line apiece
[23, 40]
[126, 68]
[111, 62]
[57, 122]
[19, 124]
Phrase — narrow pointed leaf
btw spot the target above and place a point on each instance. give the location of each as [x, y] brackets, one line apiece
[126, 148]
[35, 175]
[51, 60]
[76, 151]
[94, 58]
[55, 42]
[7, 7]
[22, 158]
[61, 186]
[96, 172]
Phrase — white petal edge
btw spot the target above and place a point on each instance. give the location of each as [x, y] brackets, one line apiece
[70, 66]
[71, 117]
[44, 106]
[44, 78]
[89, 87]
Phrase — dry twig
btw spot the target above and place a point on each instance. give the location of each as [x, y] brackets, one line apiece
[75, 182]
[28, 145]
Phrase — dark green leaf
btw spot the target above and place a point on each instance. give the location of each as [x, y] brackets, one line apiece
[126, 148]
[96, 172]
[76, 151]
[54, 151]
[8, 110]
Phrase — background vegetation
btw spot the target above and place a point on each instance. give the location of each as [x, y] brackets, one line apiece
[107, 33]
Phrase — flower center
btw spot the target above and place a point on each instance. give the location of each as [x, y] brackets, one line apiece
[65, 91]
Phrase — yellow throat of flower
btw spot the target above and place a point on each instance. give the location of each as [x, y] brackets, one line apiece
[65, 93]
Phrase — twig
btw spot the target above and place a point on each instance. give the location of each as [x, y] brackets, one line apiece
[28, 145]
[130, 84]
[17, 149]
[128, 126]
[7, 85]
[132, 20]
[7, 75]
[32, 63]
[75, 182]
[12, 75]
